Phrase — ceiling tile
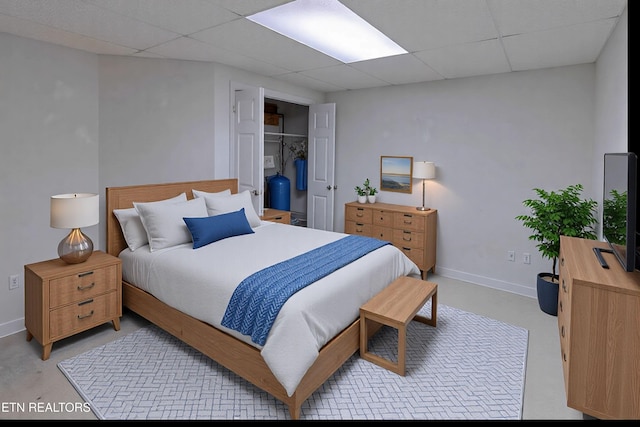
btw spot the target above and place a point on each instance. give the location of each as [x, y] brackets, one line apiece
[36, 31]
[76, 16]
[344, 76]
[182, 17]
[309, 82]
[469, 59]
[247, 7]
[427, 24]
[399, 69]
[255, 41]
[578, 44]
[521, 16]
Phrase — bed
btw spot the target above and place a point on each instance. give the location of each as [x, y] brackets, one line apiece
[286, 365]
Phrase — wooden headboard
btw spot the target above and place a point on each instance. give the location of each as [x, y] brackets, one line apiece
[123, 197]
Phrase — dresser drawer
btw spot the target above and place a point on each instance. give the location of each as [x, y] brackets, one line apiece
[407, 238]
[83, 315]
[363, 229]
[358, 214]
[414, 254]
[81, 286]
[407, 221]
[383, 218]
[382, 233]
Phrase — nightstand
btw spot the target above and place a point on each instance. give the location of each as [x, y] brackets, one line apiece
[63, 299]
[276, 215]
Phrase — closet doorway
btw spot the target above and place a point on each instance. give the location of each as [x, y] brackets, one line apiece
[301, 129]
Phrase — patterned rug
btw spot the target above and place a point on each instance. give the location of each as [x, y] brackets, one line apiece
[469, 367]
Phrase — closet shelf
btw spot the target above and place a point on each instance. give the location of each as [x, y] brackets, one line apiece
[294, 135]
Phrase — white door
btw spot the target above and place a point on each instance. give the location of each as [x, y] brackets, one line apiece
[321, 185]
[248, 147]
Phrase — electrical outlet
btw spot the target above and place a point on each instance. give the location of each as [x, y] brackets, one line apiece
[526, 258]
[14, 281]
[511, 256]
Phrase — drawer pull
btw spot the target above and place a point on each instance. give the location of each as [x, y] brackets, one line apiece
[84, 316]
[84, 288]
[564, 286]
[360, 214]
[562, 331]
[408, 222]
[88, 273]
[89, 301]
[564, 356]
[278, 218]
[406, 249]
[560, 305]
[562, 262]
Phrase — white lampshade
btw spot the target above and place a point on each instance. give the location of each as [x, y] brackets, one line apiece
[74, 210]
[424, 170]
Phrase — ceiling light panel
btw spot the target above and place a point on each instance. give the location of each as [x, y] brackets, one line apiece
[329, 27]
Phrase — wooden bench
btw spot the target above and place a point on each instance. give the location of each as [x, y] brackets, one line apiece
[396, 306]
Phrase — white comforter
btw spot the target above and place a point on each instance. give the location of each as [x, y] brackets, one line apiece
[200, 282]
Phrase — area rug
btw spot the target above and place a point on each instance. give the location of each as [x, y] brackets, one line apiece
[469, 367]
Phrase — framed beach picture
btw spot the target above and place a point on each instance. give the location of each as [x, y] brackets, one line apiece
[395, 173]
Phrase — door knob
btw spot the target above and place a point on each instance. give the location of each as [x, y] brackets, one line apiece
[256, 193]
[328, 187]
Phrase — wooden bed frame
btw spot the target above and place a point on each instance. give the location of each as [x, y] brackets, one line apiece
[225, 349]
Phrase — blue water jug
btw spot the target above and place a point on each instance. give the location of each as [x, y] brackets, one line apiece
[279, 192]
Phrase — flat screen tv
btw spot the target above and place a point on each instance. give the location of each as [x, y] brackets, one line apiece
[620, 208]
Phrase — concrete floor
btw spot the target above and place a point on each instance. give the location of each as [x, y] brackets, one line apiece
[43, 391]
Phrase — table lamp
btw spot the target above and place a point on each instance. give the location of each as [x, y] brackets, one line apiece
[424, 171]
[73, 211]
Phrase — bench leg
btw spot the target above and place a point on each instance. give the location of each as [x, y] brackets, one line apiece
[434, 312]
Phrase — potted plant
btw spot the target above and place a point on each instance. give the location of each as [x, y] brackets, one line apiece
[362, 194]
[370, 191]
[553, 214]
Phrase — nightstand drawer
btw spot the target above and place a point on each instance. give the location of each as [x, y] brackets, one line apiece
[81, 286]
[409, 239]
[407, 221]
[83, 315]
[358, 214]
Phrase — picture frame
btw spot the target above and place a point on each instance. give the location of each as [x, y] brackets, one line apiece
[396, 173]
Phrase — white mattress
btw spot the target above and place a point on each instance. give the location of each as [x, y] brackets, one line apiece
[200, 282]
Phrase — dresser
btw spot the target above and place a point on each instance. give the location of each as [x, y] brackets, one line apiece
[64, 299]
[410, 230]
[599, 328]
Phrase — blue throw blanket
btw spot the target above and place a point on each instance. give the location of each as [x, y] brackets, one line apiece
[257, 300]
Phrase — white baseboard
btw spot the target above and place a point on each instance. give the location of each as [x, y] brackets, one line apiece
[515, 288]
[12, 327]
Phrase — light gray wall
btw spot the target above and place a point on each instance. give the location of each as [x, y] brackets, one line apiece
[489, 137]
[612, 95]
[49, 145]
[493, 139]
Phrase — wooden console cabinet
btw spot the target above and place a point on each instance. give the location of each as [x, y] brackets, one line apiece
[410, 230]
[599, 326]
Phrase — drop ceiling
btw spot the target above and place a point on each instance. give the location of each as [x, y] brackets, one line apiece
[446, 39]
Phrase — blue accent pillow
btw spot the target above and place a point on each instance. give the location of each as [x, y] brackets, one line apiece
[206, 230]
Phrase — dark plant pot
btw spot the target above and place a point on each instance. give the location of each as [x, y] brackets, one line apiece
[548, 293]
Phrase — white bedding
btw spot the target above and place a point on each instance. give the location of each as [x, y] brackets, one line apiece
[200, 282]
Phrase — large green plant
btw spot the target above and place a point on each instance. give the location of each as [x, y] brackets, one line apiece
[556, 213]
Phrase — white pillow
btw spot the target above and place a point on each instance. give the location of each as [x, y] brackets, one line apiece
[223, 193]
[217, 205]
[132, 229]
[165, 224]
